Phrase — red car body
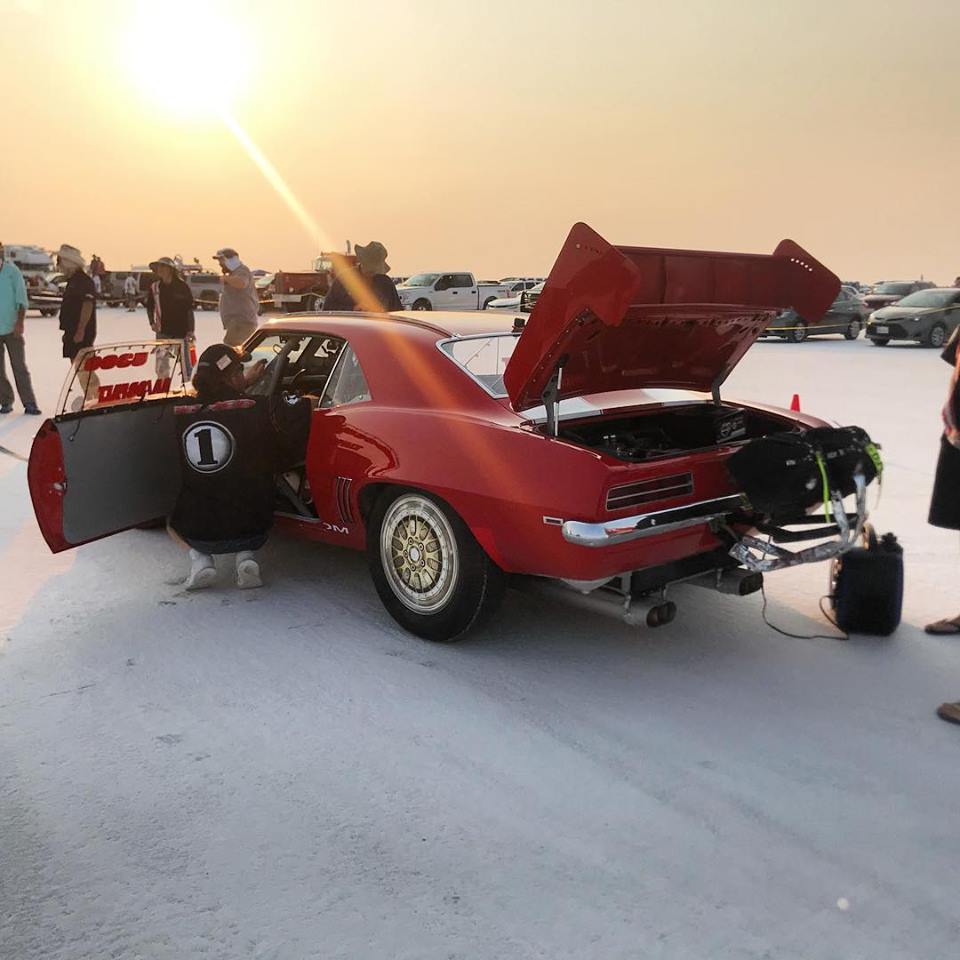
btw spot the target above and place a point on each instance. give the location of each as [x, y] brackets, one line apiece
[540, 489]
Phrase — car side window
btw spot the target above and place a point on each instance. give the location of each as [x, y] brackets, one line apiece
[306, 362]
[462, 280]
[444, 283]
[347, 384]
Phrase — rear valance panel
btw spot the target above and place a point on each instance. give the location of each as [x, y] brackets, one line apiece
[619, 318]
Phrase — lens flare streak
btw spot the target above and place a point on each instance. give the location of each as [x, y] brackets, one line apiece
[275, 179]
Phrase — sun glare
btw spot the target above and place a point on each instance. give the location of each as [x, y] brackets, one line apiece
[192, 58]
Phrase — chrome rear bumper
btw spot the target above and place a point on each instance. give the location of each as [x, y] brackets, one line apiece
[625, 529]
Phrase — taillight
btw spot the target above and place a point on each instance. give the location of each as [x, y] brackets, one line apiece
[649, 491]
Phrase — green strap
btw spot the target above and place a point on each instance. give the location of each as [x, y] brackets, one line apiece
[874, 454]
[826, 486]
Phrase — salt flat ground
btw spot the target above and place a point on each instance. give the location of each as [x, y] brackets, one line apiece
[286, 774]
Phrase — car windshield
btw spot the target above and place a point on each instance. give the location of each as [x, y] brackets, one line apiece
[888, 289]
[929, 298]
[422, 280]
[484, 358]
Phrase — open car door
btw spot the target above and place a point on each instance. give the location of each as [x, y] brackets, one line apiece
[108, 460]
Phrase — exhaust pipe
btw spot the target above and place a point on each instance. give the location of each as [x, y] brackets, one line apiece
[643, 612]
[647, 613]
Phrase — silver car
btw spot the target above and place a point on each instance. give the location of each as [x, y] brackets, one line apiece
[927, 317]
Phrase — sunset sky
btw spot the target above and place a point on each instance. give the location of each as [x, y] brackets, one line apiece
[472, 135]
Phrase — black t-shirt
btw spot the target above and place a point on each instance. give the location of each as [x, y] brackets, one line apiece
[230, 453]
[79, 290]
[176, 309]
[380, 285]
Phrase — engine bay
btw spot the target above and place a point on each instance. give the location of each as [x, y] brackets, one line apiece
[671, 432]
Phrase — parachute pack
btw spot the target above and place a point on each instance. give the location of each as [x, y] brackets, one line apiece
[785, 475]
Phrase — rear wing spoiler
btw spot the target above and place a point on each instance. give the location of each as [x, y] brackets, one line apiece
[593, 280]
[616, 278]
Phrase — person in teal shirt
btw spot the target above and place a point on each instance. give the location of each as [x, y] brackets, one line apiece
[13, 308]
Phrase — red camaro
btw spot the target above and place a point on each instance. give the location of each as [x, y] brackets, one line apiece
[585, 442]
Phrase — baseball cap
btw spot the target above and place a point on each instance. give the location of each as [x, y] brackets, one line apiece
[220, 356]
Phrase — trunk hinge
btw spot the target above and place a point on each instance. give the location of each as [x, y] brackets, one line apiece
[551, 397]
[715, 389]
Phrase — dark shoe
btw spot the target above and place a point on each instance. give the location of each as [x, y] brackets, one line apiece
[7, 408]
[33, 411]
[949, 712]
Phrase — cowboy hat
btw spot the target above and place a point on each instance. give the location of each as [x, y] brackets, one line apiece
[71, 255]
[372, 257]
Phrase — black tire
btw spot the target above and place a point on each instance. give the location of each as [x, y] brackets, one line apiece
[210, 299]
[879, 341]
[464, 586]
[853, 329]
[422, 305]
[868, 589]
[799, 332]
[48, 313]
[936, 336]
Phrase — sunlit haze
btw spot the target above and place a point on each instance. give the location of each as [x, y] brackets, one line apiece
[189, 59]
[471, 136]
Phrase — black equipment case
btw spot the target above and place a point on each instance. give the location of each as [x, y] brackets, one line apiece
[867, 595]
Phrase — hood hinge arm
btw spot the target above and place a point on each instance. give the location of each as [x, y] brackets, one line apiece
[551, 397]
[715, 390]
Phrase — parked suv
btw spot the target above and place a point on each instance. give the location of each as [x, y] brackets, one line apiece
[890, 291]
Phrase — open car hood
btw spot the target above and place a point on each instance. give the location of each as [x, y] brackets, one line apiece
[621, 318]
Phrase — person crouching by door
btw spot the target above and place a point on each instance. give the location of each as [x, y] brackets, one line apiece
[170, 309]
[232, 447]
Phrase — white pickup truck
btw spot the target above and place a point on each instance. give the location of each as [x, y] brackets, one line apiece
[448, 291]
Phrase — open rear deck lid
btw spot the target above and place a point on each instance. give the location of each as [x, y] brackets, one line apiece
[619, 318]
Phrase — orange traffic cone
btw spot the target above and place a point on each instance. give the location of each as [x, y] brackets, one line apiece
[795, 403]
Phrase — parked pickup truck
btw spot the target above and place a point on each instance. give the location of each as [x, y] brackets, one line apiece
[449, 291]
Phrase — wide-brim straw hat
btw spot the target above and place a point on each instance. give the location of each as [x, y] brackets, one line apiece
[163, 262]
[372, 257]
[71, 255]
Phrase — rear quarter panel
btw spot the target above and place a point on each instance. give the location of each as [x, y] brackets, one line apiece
[510, 485]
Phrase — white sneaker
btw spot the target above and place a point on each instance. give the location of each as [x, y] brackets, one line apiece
[203, 573]
[248, 571]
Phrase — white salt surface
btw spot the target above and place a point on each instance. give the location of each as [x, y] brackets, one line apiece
[286, 774]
